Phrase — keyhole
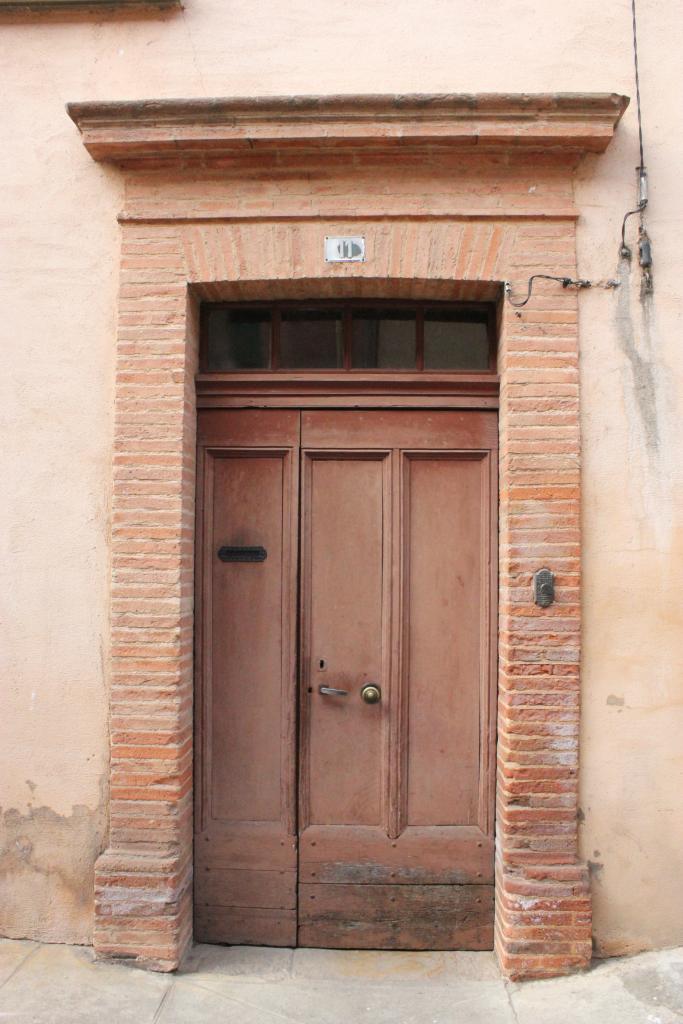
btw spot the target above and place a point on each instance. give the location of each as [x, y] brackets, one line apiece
[321, 664]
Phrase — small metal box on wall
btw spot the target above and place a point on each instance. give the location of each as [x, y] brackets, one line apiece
[544, 587]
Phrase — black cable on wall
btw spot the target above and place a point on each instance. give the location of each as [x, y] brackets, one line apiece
[625, 253]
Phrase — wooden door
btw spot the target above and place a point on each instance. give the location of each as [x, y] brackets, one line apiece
[245, 806]
[394, 811]
[395, 815]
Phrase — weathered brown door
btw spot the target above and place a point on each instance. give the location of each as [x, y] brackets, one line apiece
[395, 766]
[245, 788]
[395, 844]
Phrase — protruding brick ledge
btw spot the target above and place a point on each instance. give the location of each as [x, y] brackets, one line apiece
[543, 920]
[198, 130]
[143, 908]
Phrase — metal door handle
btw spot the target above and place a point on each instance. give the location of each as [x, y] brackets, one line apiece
[332, 691]
[371, 693]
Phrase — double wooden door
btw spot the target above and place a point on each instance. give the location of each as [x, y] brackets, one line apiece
[345, 703]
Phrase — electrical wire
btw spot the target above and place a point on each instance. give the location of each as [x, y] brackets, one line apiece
[566, 282]
[645, 248]
[625, 250]
[635, 64]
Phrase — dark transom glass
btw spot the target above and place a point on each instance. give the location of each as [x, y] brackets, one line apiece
[348, 336]
[311, 339]
[383, 339]
[237, 339]
[454, 343]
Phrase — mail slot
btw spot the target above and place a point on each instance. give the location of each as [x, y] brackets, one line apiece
[242, 554]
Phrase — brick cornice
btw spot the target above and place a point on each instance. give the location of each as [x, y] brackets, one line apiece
[167, 132]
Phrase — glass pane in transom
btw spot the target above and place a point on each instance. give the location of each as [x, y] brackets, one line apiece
[238, 339]
[454, 342]
[383, 339]
[311, 339]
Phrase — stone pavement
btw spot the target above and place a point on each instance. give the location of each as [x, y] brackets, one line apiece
[63, 985]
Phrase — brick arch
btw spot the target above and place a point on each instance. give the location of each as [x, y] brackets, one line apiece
[302, 288]
[435, 259]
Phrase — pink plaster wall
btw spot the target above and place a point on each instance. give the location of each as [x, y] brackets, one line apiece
[59, 249]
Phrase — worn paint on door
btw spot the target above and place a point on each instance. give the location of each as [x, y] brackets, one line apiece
[393, 808]
[245, 832]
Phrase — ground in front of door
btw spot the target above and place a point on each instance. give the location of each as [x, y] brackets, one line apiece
[240, 985]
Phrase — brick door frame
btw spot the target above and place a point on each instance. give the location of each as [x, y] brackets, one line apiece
[440, 224]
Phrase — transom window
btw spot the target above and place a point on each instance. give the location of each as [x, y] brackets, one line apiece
[353, 336]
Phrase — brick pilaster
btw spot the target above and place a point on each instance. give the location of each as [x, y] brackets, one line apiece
[543, 909]
[143, 880]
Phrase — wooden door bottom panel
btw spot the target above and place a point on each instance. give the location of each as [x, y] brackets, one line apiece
[396, 917]
[253, 846]
[245, 926]
[267, 890]
[448, 855]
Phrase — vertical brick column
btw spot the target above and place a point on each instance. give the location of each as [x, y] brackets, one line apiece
[142, 881]
[543, 919]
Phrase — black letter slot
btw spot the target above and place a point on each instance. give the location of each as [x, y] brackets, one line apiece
[235, 554]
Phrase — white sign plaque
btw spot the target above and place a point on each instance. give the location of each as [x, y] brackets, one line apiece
[344, 248]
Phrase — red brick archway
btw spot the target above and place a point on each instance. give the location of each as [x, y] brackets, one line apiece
[233, 200]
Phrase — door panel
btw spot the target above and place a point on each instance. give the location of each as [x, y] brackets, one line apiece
[247, 654]
[244, 926]
[245, 834]
[248, 428]
[396, 917]
[454, 855]
[394, 868]
[443, 582]
[392, 428]
[343, 584]
[235, 887]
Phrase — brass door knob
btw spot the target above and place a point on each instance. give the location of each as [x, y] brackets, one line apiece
[371, 693]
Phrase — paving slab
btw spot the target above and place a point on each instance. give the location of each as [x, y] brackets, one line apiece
[655, 980]
[331, 1003]
[64, 985]
[647, 989]
[401, 967]
[242, 963]
[13, 952]
[251, 985]
[326, 986]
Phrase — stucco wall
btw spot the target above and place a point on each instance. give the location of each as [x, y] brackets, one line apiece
[59, 250]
